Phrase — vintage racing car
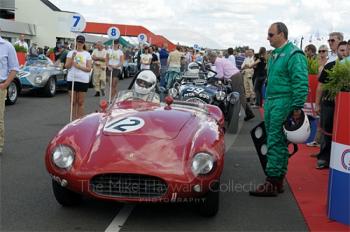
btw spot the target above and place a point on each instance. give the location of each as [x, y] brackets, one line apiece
[205, 88]
[41, 73]
[141, 151]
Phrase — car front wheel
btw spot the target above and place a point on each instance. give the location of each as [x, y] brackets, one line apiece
[12, 93]
[50, 87]
[208, 205]
[65, 196]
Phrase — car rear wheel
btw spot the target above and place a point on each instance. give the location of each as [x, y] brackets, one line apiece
[12, 93]
[65, 196]
[50, 87]
[208, 206]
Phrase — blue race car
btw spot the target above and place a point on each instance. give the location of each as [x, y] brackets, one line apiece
[41, 73]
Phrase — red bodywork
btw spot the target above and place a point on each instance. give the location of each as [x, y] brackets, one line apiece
[163, 148]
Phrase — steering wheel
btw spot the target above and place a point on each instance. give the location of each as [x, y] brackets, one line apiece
[210, 70]
[212, 80]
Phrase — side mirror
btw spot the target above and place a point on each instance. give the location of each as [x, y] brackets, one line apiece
[103, 105]
[168, 100]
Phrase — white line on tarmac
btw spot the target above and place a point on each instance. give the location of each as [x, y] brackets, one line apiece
[120, 218]
[231, 138]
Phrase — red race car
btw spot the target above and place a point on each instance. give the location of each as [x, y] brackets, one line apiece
[141, 151]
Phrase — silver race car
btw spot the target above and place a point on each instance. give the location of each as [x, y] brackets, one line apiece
[41, 73]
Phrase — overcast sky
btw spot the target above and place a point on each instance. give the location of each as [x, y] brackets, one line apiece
[220, 23]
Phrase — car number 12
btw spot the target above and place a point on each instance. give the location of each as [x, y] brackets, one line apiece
[124, 125]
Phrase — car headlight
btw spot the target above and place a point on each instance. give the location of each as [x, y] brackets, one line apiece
[202, 163]
[63, 156]
[220, 95]
[173, 92]
[38, 79]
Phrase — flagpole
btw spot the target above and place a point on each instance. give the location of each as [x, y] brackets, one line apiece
[301, 42]
[110, 78]
[72, 91]
[78, 25]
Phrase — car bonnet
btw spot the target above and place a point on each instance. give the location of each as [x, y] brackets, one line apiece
[156, 123]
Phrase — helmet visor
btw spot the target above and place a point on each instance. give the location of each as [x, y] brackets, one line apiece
[143, 83]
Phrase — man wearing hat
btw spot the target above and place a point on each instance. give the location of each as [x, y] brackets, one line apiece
[8, 68]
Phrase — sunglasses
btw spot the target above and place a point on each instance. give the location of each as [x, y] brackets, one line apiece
[270, 34]
[331, 40]
[322, 51]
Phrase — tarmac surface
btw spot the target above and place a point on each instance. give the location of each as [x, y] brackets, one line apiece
[28, 204]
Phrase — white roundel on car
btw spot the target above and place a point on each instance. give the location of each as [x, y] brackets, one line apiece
[124, 125]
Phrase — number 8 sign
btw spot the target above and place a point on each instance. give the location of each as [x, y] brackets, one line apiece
[113, 33]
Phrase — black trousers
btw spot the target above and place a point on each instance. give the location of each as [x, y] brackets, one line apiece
[238, 86]
[125, 73]
[259, 82]
[326, 124]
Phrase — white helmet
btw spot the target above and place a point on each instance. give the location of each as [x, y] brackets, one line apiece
[145, 82]
[193, 67]
[297, 132]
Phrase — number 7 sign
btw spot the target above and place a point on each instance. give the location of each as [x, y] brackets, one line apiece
[78, 23]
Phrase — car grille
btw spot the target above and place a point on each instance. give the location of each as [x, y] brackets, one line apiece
[128, 185]
[196, 100]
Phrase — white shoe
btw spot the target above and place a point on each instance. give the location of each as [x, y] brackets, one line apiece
[313, 144]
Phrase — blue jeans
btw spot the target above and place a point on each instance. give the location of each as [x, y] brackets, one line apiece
[169, 78]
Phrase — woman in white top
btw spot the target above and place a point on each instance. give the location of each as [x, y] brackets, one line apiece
[115, 60]
[79, 63]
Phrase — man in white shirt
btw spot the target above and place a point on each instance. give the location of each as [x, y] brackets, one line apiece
[146, 59]
[8, 69]
[334, 39]
[231, 57]
[248, 72]
[22, 42]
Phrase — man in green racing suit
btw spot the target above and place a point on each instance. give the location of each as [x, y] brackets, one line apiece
[287, 89]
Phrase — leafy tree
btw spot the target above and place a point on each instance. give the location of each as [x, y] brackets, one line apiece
[312, 65]
[339, 79]
[20, 48]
